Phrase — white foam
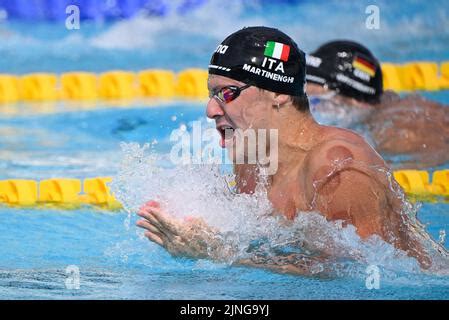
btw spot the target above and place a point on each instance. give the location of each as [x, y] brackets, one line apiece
[152, 32]
[244, 220]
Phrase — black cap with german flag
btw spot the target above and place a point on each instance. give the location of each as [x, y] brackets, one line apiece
[347, 67]
[264, 57]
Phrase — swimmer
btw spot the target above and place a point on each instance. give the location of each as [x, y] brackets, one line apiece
[324, 169]
[344, 82]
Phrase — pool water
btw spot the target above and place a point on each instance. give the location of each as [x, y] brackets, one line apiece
[114, 261]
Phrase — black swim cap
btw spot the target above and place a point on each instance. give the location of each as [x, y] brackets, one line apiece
[347, 67]
[264, 57]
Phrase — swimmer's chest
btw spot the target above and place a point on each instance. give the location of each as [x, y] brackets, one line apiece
[288, 197]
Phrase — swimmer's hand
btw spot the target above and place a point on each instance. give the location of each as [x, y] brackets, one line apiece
[190, 237]
[193, 238]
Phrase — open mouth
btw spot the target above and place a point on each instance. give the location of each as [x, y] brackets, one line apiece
[227, 133]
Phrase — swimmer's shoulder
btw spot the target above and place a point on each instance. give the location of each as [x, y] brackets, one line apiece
[339, 148]
[338, 144]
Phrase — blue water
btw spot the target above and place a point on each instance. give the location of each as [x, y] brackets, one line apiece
[37, 246]
[72, 140]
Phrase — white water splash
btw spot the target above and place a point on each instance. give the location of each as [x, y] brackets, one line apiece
[301, 21]
[409, 30]
[144, 31]
[203, 191]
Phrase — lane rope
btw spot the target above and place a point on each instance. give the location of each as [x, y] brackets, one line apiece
[186, 84]
[68, 193]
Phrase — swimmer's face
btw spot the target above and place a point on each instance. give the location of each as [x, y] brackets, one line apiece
[338, 101]
[249, 110]
[314, 89]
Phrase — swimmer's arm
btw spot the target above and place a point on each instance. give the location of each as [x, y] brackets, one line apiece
[295, 264]
[371, 207]
[349, 190]
[353, 196]
[194, 239]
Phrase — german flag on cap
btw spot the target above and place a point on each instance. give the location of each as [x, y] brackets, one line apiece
[364, 65]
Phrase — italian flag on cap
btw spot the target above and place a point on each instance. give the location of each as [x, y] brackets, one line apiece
[277, 50]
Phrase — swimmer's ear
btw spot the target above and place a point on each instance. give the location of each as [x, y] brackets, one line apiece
[280, 99]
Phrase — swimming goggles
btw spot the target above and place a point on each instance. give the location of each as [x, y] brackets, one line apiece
[228, 93]
[315, 100]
